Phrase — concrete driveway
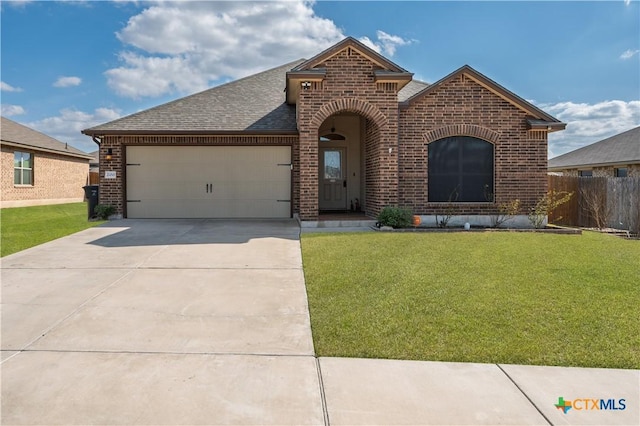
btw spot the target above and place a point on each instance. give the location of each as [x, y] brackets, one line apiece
[206, 322]
[160, 322]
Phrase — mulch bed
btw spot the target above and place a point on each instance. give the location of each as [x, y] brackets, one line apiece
[547, 230]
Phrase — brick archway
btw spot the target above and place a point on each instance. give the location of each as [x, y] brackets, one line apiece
[358, 106]
[379, 149]
[462, 130]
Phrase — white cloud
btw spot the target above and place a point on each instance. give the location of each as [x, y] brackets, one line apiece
[386, 44]
[370, 44]
[185, 46]
[5, 87]
[11, 110]
[628, 54]
[67, 82]
[391, 42]
[17, 3]
[67, 125]
[627, 2]
[588, 123]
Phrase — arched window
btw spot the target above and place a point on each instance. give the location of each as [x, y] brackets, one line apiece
[460, 170]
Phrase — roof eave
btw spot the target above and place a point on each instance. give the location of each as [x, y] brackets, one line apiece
[266, 132]
[591, 165]
[400, 78]
[549, 126]
[295, 80]
[48, 150]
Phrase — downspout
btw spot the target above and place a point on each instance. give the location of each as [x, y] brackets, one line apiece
[96, 140]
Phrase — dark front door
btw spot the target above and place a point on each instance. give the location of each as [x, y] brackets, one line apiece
[332, 179]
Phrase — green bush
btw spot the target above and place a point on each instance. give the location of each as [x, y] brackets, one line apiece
[103, 211]
[396, 217]
[545, 205]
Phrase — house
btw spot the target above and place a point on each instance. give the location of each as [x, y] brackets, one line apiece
[94, 168]
[94, 164]
[617, 156]
[346, 127]
[38, 169]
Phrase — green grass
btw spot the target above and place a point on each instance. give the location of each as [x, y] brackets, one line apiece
[516, 298]
[25, 227]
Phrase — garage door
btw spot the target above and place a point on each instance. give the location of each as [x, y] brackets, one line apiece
[208, 182]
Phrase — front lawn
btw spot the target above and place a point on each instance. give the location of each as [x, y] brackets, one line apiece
[514, 298]
[25, 227]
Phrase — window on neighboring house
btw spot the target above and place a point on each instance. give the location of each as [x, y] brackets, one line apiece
[585, 173]
[461, 170]
[620, 172]
[22, 168]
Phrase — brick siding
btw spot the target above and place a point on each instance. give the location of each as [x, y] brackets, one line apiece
[395, 142]
[56, 179]
[462, 107]
[349, 86]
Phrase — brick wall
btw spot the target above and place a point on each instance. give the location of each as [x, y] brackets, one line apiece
[395, 141]
[349, 86]
[462, 107]
[113, 191]
[56, 179]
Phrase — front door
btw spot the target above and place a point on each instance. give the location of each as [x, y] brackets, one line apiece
[333, 179]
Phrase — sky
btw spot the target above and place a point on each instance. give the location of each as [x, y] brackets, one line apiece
[69, 65]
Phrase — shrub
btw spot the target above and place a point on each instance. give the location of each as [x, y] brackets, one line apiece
[103, 211]
[546, 204]
[442, 220]
[396, 217]
[506, 212]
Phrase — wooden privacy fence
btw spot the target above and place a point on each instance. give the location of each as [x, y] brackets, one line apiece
[94, 178]
[612, 201]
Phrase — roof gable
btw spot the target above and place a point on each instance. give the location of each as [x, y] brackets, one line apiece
[18, 135]
[540, 119]
[313, 69]
[623, 148]
[352, 43]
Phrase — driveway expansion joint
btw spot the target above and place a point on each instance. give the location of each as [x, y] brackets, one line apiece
[525, 395]
[323, 396]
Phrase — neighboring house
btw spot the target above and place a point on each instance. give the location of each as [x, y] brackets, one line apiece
[94, 164]
[617, 156]
[346, 127]
[38, 169]
[94, 168]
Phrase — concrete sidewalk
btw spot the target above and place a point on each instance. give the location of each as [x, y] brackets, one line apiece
[206, 322]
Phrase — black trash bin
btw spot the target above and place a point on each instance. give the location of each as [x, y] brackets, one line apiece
[91, 194]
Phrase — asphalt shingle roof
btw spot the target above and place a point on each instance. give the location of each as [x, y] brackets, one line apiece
[412, 88]
[621, 148]
[255, 103]
[18, 134]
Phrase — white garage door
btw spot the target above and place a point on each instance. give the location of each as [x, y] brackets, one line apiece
[208, 182]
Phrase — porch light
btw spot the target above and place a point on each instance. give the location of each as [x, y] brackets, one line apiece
[333, 136]
[109, 155]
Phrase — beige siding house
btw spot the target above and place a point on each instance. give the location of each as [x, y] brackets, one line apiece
[38, 169]
[617, 156]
